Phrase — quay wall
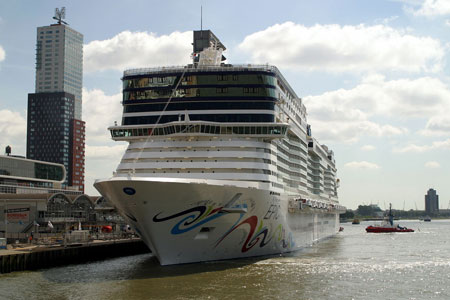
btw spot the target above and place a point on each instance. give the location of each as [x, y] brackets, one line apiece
[52, 257]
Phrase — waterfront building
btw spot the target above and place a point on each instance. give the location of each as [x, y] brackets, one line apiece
[55, 130]
[431, 202]
[31, 193]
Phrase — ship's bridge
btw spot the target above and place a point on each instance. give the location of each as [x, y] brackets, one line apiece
[199, 128]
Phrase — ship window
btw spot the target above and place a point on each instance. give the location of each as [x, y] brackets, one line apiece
[235, 77]
[250, 90]
[222, 77]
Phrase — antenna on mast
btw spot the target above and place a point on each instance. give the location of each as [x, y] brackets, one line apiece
[59, 15]
[201, 17]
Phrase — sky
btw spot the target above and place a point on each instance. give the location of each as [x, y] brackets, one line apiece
[374, 76]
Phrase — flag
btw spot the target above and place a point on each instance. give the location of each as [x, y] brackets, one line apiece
[50, 225]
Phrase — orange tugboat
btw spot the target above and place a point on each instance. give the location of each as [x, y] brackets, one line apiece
[387, 225]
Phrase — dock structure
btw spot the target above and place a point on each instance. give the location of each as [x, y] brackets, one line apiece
[47, 257]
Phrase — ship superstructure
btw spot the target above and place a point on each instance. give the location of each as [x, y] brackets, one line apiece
[221, 162]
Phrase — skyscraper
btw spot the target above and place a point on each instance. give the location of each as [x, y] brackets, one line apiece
[55, 131]
[431, 202]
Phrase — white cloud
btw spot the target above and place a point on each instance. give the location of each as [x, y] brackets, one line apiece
[362, 165]
[106, 152]
[433, 8]
[101, 161]
[138, 50]
[437, 125]
[438, 145]
[100, 111]
[386, 21]
[337, 48]
[102, 154]
[368, 148]
[2, 54]
[432, 165]
[345, 115]
[13, 131]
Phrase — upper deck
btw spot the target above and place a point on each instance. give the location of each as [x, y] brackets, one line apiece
[192, 70]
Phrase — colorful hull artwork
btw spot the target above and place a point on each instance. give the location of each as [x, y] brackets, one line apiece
[255, 236]
[183, 221]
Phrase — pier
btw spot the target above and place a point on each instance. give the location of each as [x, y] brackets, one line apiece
[33, 258]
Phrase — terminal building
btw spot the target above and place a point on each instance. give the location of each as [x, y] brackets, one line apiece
[32, 199]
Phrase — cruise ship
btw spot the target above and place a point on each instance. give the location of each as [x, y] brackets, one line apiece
[221, 163]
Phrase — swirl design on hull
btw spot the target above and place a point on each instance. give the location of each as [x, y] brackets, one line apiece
[251, 242]
[200, 215]
[193, 220]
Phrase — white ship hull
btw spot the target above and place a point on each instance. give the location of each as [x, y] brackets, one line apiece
[185, 220]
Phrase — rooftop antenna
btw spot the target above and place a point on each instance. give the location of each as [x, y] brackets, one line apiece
[59, 15]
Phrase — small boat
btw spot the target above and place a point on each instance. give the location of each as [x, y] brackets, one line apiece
[387, 225]
[355, 221]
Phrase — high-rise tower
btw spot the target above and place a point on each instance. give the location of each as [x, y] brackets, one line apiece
[55, 131]
[431, 202]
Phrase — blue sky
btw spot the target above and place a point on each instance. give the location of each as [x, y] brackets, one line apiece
[373, 76]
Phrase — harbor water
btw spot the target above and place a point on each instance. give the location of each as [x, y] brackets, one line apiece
[352, 265]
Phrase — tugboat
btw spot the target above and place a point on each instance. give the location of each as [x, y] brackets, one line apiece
[387, 225]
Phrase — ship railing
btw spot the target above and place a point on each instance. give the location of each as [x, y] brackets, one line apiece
[212, 68]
